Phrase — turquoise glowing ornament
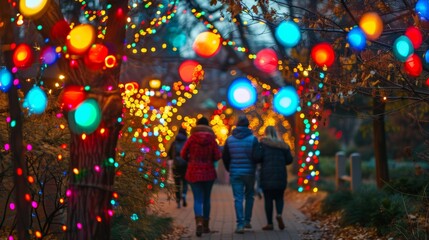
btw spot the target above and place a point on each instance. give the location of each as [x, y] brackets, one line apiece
[6, 79]
[36, 100]
[357, 39]
[422, 9]
[288, 34]
[286, 101]
[402, 48]
[241, 93]
[86, 117]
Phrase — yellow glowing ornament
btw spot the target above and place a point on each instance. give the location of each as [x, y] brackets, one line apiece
[207, 44]
[372, 25]
[33, 8]
[80, 39]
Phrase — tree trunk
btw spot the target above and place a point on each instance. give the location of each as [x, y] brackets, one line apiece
[23, 208]
[381, 165]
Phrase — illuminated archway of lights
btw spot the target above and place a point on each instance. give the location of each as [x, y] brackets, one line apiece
[308, 141]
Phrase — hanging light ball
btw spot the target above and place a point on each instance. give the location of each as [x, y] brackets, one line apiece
[356, 38]
[372, 25]
[266, 60]
[80, 39]
[415, 36]
[402, 48]
[241, 93]
[413, 65]
[6, 79]
[131, 87]
[207, 44]
[422, 9]
[48, 55]
[288, 34]
[426, 58]
[188, 70]
[86, 117]
[94, 58]
[286, 101]
[71, 96]
[323, 54]
[35, 100]
[23, 56]
[33, 8]
[60, 30]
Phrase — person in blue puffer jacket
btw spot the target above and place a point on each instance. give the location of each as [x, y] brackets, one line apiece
[238, 157]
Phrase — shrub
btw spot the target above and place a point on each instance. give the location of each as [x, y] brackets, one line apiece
[336, 201]
[148, 228]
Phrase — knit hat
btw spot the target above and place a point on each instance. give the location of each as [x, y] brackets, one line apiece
[242, 121]
[203, 121]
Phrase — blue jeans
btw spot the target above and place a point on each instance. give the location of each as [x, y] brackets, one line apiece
[202, 192]
[243, 187]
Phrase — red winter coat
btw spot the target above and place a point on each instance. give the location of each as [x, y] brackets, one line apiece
[201, 151]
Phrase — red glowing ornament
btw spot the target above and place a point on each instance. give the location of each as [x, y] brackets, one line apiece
[23, 56]
[266, 60]
[96, 55]
[323, 54]
[71, 96]
[60, 30]
[413, 66]
[207, 44]
[415, 36]
[187, 70]
[427, 82]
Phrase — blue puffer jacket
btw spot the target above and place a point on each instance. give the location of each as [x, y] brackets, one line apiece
[238, 150]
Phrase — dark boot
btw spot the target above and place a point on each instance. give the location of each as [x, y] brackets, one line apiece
[199, 226]
[206, 228]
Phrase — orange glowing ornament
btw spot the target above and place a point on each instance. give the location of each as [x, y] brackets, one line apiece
[187, 70]
[323, 54]
[23, 56]
[71, 96]
[33, 8]
[207, 44]
[80, 39]
[372, 25]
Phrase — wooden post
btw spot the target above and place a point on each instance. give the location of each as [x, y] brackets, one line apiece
[340, 166]
[355, 171]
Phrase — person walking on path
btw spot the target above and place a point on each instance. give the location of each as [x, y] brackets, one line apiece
[238, 160]
[276, 156]
[201, 151]
[179, 167]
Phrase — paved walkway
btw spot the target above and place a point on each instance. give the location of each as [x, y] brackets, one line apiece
[222, 222]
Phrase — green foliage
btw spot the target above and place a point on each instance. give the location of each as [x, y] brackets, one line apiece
[150, 227]
[415, 185]
[336, 201]
[330, 144]
[327, 167]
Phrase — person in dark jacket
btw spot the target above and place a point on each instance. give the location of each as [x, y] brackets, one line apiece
[276, 156]
[179, 167]
[238, 160]
[201, 151]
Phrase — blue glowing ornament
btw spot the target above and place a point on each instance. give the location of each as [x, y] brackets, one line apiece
[49, 55]
[403, 48]
[422, 9]
[288, 34]
[241, 93]
[426, 58]
[6, 79]
[86, 117]
[286, 101]
[36, 100]
[357, 39]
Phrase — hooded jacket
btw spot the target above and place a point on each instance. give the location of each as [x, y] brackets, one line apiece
[179, 164]
[238, 152]
[276, 155]
[201, 151]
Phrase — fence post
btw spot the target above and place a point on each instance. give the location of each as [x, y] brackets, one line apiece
[355, 171]
[340, 166]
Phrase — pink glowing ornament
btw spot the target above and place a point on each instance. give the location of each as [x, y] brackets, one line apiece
[187, 70]
[413, 65]
[323, 54]
[372, 25]
[206, 44]
[415, 36]
[266, 60]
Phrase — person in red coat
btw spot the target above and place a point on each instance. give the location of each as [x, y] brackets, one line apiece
[201, 151]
